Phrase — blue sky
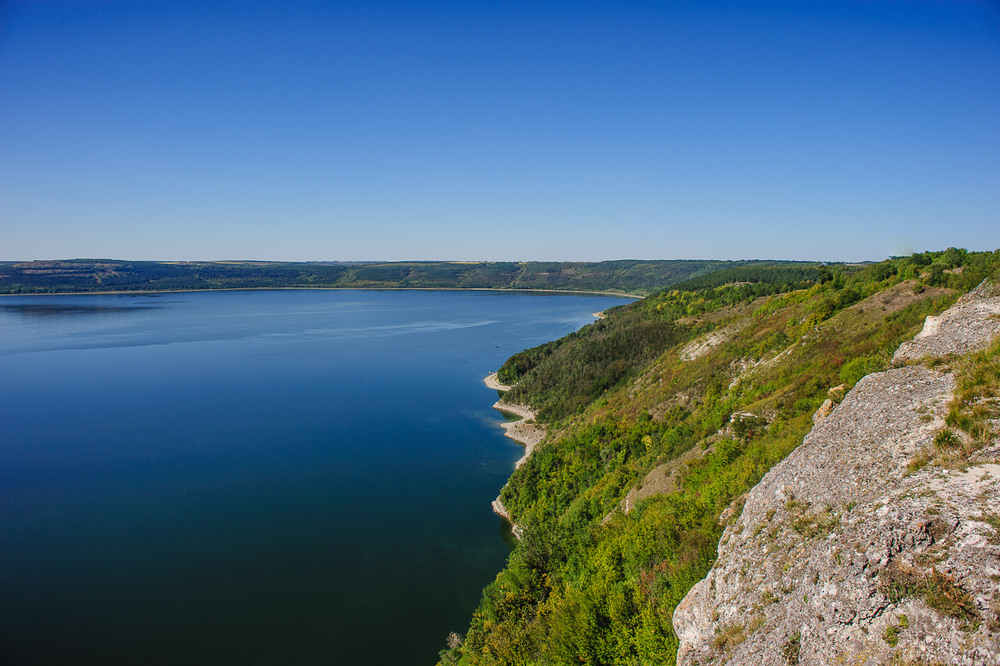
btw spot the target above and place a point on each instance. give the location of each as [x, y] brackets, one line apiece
[497, 130]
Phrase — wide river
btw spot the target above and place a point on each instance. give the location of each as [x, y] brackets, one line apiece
[254, 477]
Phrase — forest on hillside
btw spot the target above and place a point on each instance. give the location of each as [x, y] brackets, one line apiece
[704, 385]
[107, 275]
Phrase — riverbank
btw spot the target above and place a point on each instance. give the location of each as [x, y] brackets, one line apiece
[492, 382]
[524, 431]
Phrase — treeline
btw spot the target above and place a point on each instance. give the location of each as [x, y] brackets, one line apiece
[81, 276]
[87, 275]
[734, 281]
[562, 377]
[776, 275]
[589, 583]
[841, 284]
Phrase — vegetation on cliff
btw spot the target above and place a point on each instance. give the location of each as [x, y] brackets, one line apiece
[703, 386]
[875, 541]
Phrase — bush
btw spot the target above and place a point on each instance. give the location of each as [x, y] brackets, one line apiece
[852, 371]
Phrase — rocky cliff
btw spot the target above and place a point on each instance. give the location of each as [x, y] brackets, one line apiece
[878, 539]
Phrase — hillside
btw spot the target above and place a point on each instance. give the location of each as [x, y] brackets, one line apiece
[661, 417]
[878, 539]
[91, 275]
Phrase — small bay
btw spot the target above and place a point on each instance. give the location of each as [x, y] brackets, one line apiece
[254, 477]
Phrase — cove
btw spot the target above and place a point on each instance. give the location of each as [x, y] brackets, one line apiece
[254, 477]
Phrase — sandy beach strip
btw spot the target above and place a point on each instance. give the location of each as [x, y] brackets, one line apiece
[528, 434]
[492, 382]
[523, 431]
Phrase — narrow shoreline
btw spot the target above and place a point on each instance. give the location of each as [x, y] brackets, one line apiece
[492, 382]
[524, 431]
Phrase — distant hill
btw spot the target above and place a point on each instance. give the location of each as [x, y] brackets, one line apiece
[103, 275]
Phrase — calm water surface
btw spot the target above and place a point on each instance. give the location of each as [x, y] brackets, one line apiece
[271, 477]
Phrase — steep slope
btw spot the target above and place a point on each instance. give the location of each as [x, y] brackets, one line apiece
[854, 549]
[658, 417]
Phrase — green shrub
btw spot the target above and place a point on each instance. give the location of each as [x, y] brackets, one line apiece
[852, 371]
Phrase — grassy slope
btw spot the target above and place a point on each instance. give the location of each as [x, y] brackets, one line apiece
[589, 584]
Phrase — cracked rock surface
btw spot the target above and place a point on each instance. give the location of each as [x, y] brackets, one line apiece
[968, 325]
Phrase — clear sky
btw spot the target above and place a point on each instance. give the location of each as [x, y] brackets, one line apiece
[484, 130]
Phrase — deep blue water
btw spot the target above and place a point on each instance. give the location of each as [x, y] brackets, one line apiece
[254, 477]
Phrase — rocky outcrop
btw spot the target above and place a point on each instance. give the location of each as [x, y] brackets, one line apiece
[706, 343]
[966, 326]
[503, 512]
[847, 552]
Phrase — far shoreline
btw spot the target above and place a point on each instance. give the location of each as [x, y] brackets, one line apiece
[140, 292]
